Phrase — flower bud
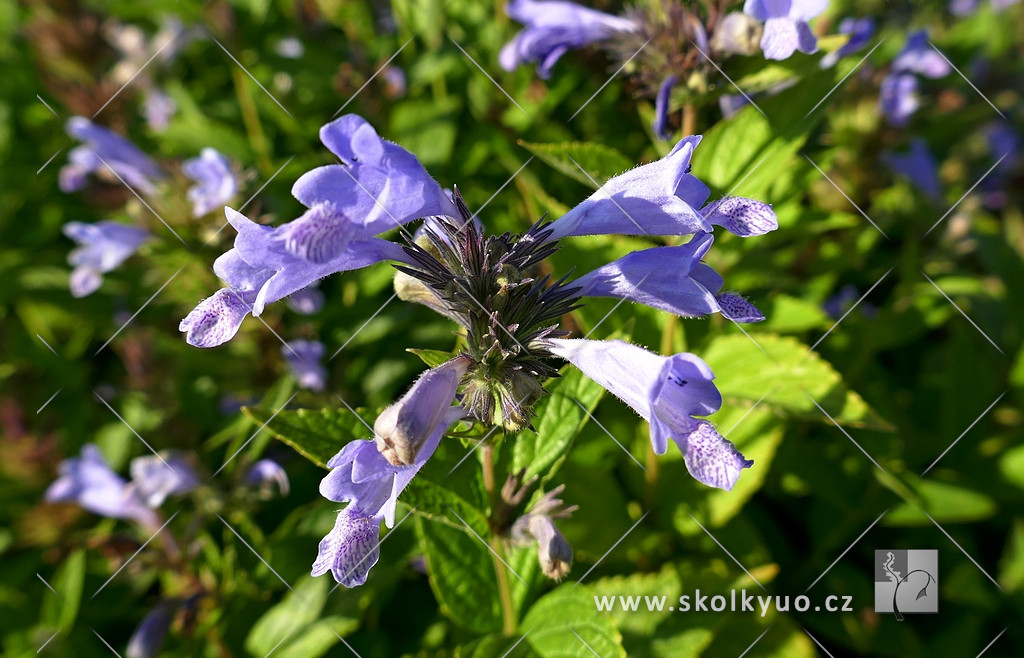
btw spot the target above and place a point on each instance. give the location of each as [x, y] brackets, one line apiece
[553, 550]
[403, 428]
[264, 474]
[148, 638]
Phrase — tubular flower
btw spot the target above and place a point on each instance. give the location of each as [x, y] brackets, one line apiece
[108, 155]
[102, 247]
[668, 392]
[362, 477]
[552, 29]
[785, 25]
[90, 482]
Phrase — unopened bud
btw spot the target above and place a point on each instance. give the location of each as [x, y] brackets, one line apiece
[403, 428]
[264, 474]
[553, 550]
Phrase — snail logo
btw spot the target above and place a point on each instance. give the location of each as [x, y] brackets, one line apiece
[906, 582]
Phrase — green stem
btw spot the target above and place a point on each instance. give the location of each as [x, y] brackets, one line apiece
[252, 122]
[508, 613]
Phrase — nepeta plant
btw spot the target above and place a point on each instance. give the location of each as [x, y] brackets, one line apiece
[511, 340]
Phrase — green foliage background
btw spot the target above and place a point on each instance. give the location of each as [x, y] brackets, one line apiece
[897, 385]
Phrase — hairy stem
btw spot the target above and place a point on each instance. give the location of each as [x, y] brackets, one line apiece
[508, 613]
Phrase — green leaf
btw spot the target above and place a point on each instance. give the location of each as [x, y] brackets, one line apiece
[293, 628]
[437, 502]
[561, 619]
[432, 358]
[748, 150]
[461, 572]
[785, 374]
[598, 162]
[61, 609]
[316, 435]
[560, 418]
[946, 502]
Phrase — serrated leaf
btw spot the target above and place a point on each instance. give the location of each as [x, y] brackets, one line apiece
[784, 375]
[589, 163]
[316, 435]
[436, 502]
[560, 417]
[462, 576]
[561, 619]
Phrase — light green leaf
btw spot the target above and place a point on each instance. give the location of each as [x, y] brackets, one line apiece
[316, 435]
[561, 619]
[432, 358]
[462, 575]
[785, 374]
[560, 417]
[598, 162]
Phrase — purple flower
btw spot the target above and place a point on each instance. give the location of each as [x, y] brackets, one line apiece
[307, 301]
[149, 637]
[671, 279]
[404, 428]
[919, 166]
[303, 358]
[667, 392]
[860, 30]
[394, 80]
[730, 104]
[662, 198]
[661, 129]
[968, 7]
[1004, 146]
[215, 182]
[260, 270]
[785, 25]
[380, 187]
[102, 247]
[158, 108]
[552, 28]
[919, 57]
[361, 476]
[898, 98]
[155, 478]
[90, 482]
[105, 151]
[840, 303]
[264, 474]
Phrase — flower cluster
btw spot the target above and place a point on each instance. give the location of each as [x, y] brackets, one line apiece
[509, 317]
[110, 157]
[674, 42]
[89, 481]
[898, 97]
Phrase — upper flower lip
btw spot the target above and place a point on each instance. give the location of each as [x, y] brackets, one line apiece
[552, 28]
